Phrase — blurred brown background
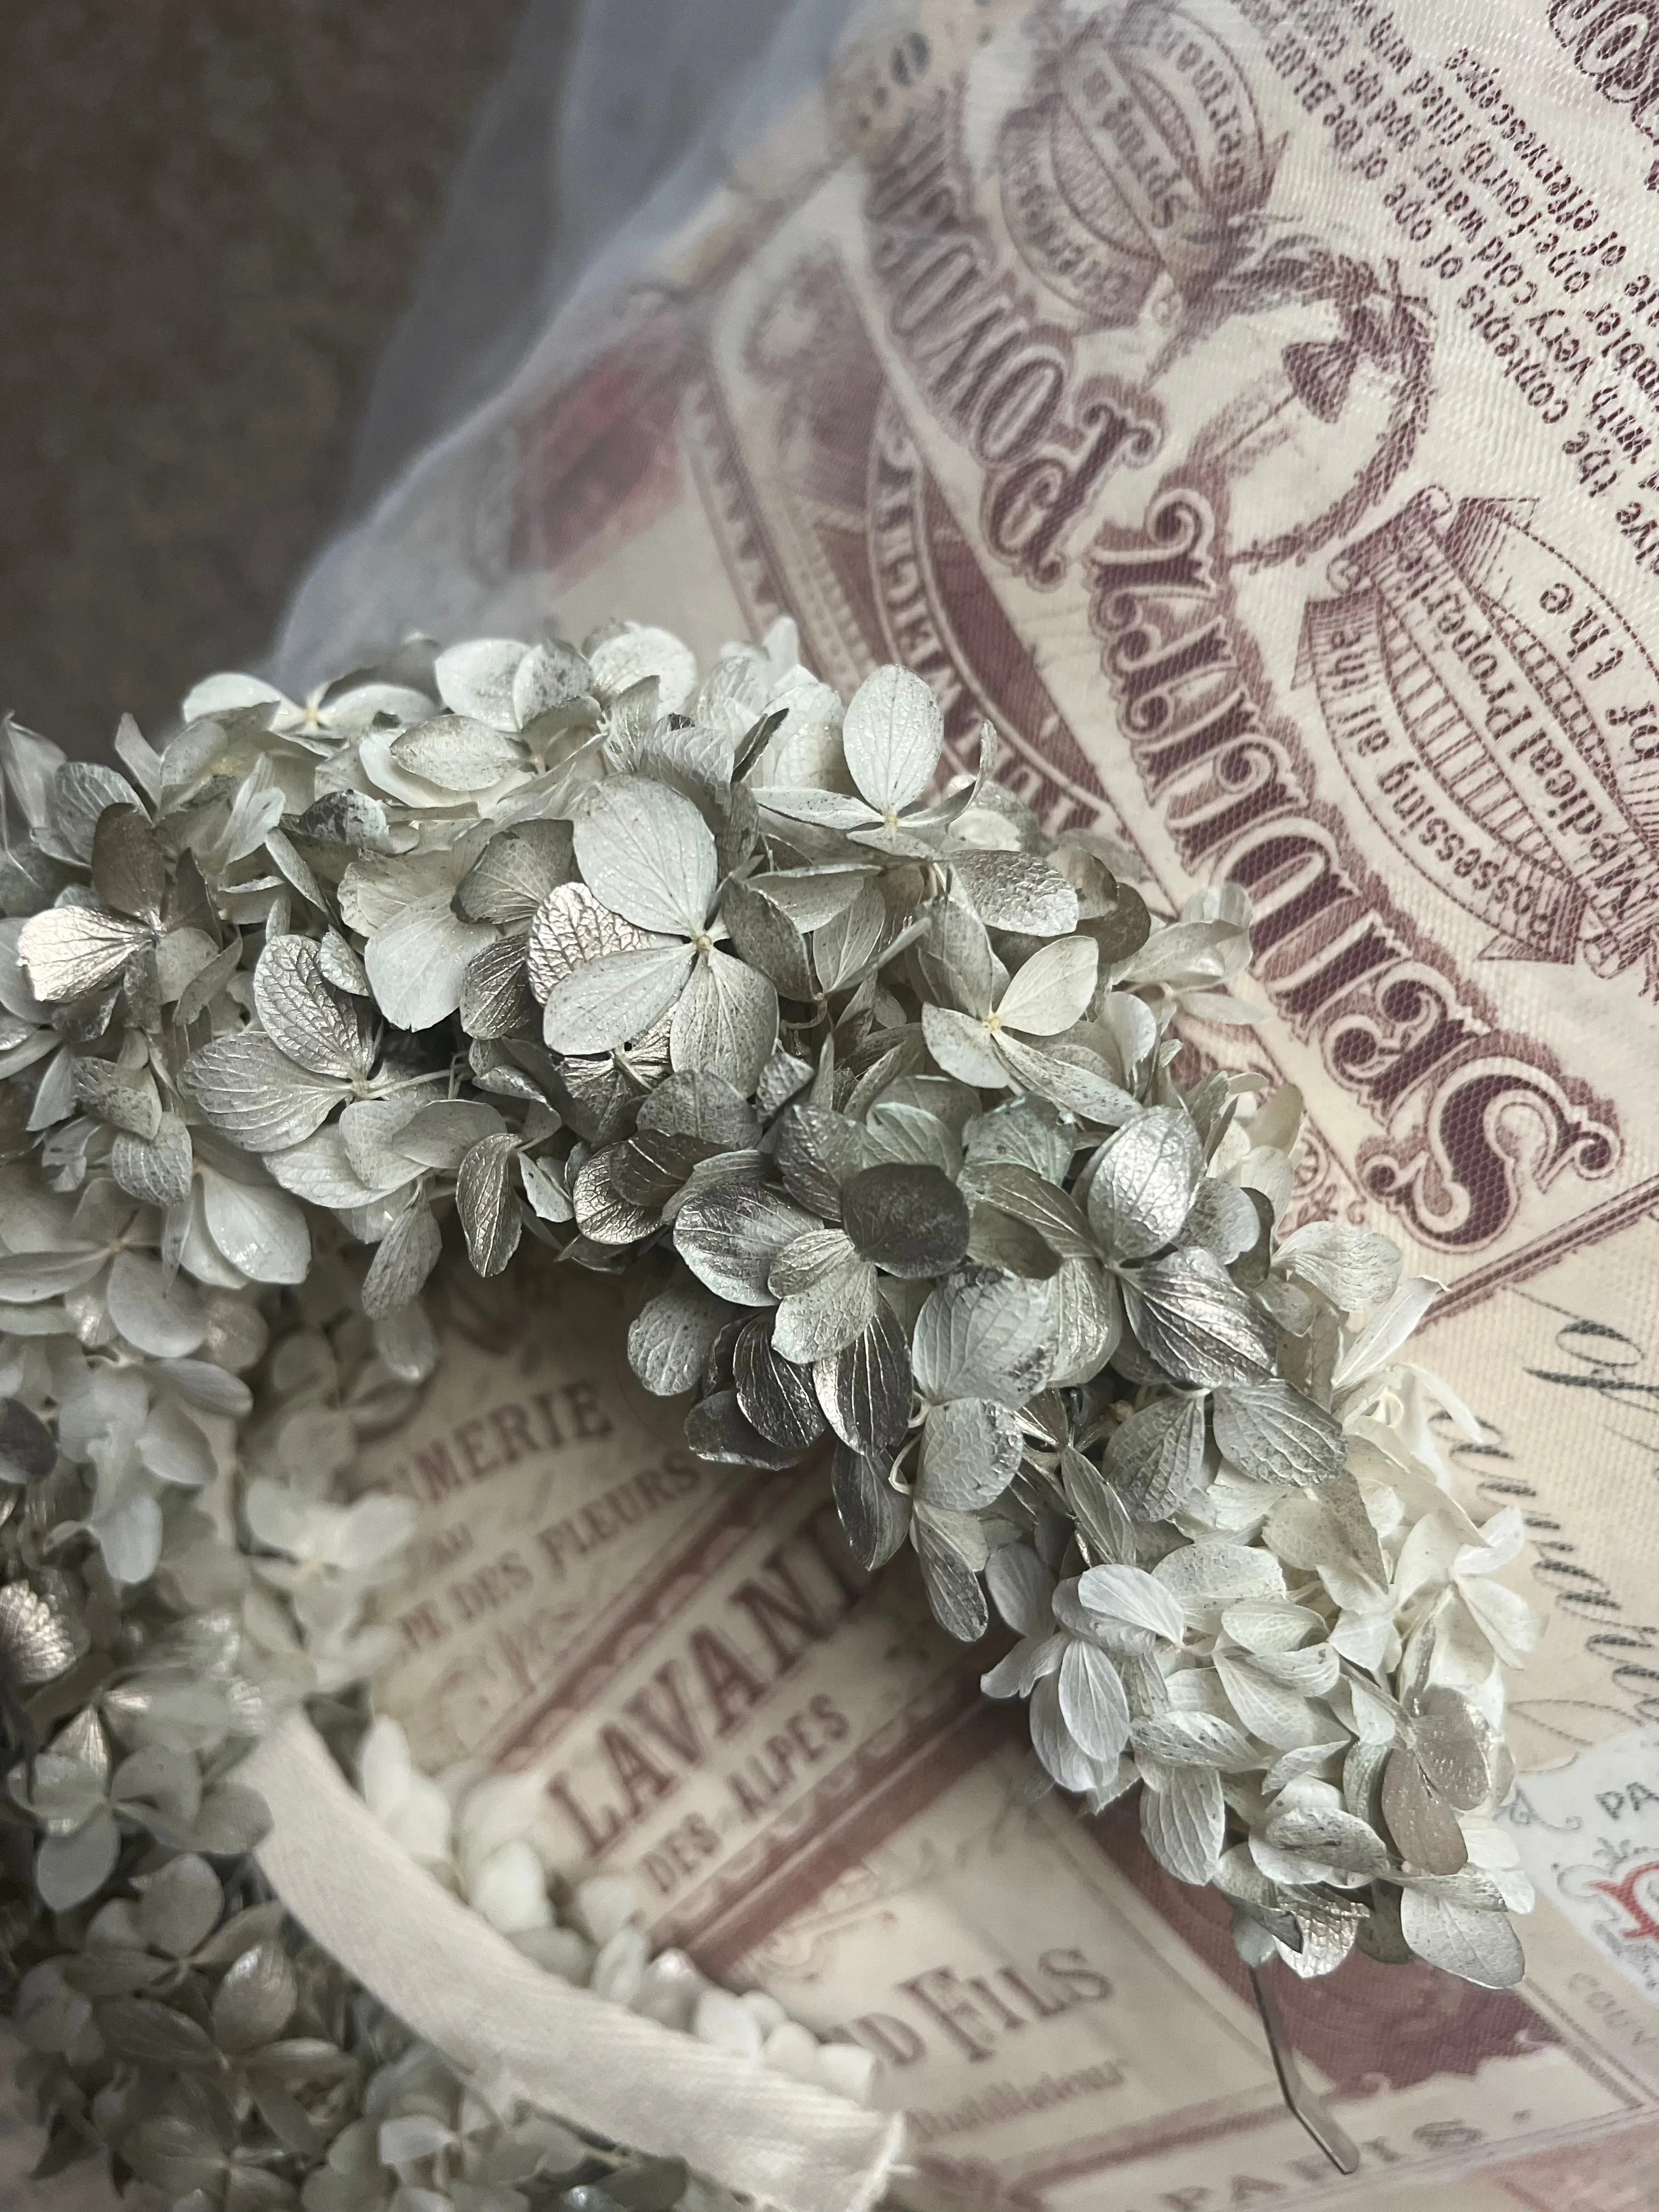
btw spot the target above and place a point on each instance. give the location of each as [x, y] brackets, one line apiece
[211, 213]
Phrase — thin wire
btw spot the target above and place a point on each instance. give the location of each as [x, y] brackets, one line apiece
[1309, 2108]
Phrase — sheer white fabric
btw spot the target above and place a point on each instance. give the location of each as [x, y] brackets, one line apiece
[605, 137]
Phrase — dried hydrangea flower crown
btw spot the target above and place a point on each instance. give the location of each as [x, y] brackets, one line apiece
[877, 1084]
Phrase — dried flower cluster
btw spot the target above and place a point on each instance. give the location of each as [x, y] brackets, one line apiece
[877, 1082]
[171, 2014]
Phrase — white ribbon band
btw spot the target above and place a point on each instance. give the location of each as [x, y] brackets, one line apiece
[463, 1987]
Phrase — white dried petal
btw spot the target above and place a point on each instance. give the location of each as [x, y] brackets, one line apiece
[495, 1000]
[320, 1170]
[260, 1230]
[900, 1134]
[605, 1904]
[849, 2069]
[129, 868]
[404, 1259]
[725, 2023]
[1022, 1590]
[844, 947]
[299, 1014]
[174, 1448]
[69, 950]
[865, 1388]
[1348, 1850]
[775, 1396]
[1273, 1433]
[790, 2049]
[1424, 1829]
[961, 1045]
[223, 693]
[1387, 1329]
[257, 1095]
[638, 654]
[730, 1236]
[549, 1199]
[1355, 1268]
[956, 960]
[953, 1588]
[550, 675]
[910, 1221]
[1088, 1309]
[440, 1134]
[1278, 1715]
[1071, 1075]
[603, 1213]
[1051, 991]
[1265, 1625]
[1479, 1946]
[1224, 1219]
[1144, 1187]
[1209, 1575]
[768, 939]
[984, 1339]
[1452, 1743]
[1195, 1323]
[837, 1298]
[697, 1104]
[454, 753]
[180, 1906]
[1062, 1757]
[129, 1538]
[1017, 1189]
[817, 1150]
[1092, 1703]
[1510, 1626]
[1130, 1597]
[1156, 1457]
[1310, 1671]
[69, 1869]
[31, 1278]
[725, 1021]
[164, 1318]
[819, 810]
[1183, 1822]
[509, 1889]
[670, 1339]
[970, 1452]
[478, 678]
[1021, 891]
[81, 791]
[648, 853]
[255, 1997]
[156, 1170]
[606, 1004]
[718, 1429]
[416, 964]
[487, 1204]
[1196, 1738]
[892, 734]
[37, 1642]
[875, 1517]
[125, 1097]
[807, 1260]
[516, 872]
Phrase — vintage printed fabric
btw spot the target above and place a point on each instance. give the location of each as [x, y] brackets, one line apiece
[1252, 406]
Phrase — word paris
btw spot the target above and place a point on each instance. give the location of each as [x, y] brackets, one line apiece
[877, 1091]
